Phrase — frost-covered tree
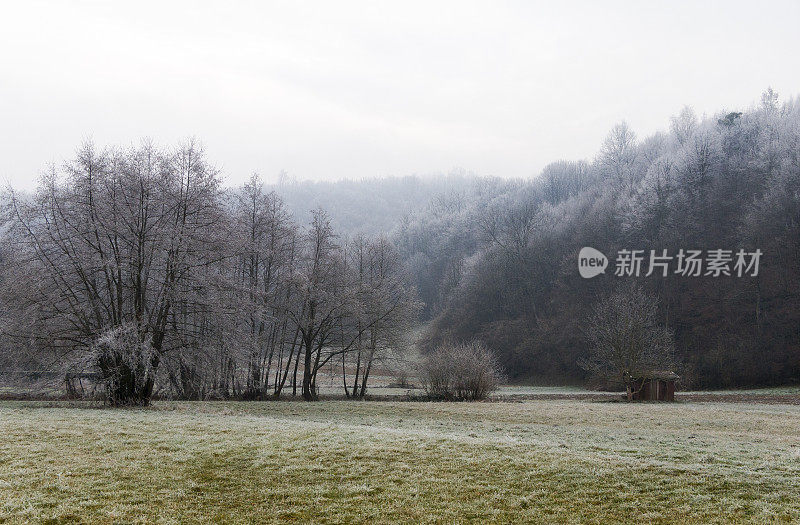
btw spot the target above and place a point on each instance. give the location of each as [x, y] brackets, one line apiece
[119, 240]
[626, 342]
[384, 311]
[683, 125]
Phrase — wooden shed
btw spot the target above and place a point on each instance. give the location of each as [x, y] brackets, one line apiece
[656, 386]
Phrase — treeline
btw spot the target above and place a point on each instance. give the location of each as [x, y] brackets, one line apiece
[134, 268]
[500, 264]
[242, 291]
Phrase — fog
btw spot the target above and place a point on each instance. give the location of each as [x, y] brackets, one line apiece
[331, 90]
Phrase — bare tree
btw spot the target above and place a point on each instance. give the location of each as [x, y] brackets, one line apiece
[319, 285]
[382, 314]
[120, 239]
[618, 155]
[683, 125]
[626, 341]
[265, 247]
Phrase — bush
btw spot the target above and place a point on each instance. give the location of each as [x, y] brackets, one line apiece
[125, 365]
[465, 371]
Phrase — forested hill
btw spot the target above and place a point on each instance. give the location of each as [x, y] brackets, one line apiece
[501, 265]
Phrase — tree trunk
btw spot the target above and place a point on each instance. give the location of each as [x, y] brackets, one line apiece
[308, 393]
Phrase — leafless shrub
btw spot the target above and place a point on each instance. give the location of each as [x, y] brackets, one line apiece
[125, 364]
[461, 371]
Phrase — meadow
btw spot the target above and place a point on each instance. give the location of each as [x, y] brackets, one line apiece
[548, 460]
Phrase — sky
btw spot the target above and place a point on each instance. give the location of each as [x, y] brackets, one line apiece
[336, 89]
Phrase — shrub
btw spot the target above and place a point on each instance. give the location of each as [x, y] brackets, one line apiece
[460, 371]
[125, 364]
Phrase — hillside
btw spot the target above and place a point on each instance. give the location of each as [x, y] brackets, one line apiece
[503, 267]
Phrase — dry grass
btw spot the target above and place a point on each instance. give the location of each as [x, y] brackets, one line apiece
[339, 461]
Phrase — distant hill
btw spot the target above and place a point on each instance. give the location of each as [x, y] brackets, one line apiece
[372, 206]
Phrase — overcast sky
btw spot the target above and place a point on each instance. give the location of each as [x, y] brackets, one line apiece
[327, 90]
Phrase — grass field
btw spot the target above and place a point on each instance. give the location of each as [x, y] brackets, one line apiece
[373, 462]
